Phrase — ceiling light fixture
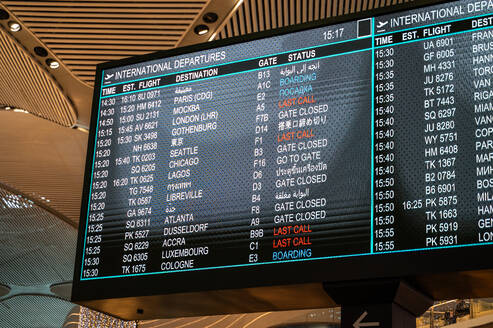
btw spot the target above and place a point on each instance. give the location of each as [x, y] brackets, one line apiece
[40, 51]
[80, 128]
[52, 63]
[14, 26]
[4, 14]
[201, 29]
[210, 17]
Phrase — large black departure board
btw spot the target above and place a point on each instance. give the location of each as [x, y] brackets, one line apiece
[270, 160]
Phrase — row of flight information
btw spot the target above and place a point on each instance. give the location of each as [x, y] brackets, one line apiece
[366, 137]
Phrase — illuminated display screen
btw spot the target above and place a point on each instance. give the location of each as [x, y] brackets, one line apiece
[331, 143]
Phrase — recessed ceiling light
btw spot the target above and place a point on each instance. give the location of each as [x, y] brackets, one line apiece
[40, 51]
[14, 26]
[4, 14]
[210, 17]
[52, 63]
[201, 29]
[80, 128]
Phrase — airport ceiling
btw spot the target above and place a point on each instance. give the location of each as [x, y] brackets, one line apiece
[48, 53]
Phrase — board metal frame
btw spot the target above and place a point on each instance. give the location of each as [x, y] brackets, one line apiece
[440, 273]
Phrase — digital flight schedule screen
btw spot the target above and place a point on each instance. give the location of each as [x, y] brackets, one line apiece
[368, 137]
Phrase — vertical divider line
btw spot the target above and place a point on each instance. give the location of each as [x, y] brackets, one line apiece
[92, 175]
[372, 129]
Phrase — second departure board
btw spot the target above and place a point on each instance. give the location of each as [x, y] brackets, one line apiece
[372, 136]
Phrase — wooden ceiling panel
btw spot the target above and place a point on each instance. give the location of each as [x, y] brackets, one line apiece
[261, 15]
[26, 85]
[130, 27]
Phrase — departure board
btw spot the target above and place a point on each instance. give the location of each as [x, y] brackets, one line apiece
[368, 137]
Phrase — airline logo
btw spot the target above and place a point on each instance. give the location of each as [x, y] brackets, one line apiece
[381, 26]
[108, 77]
